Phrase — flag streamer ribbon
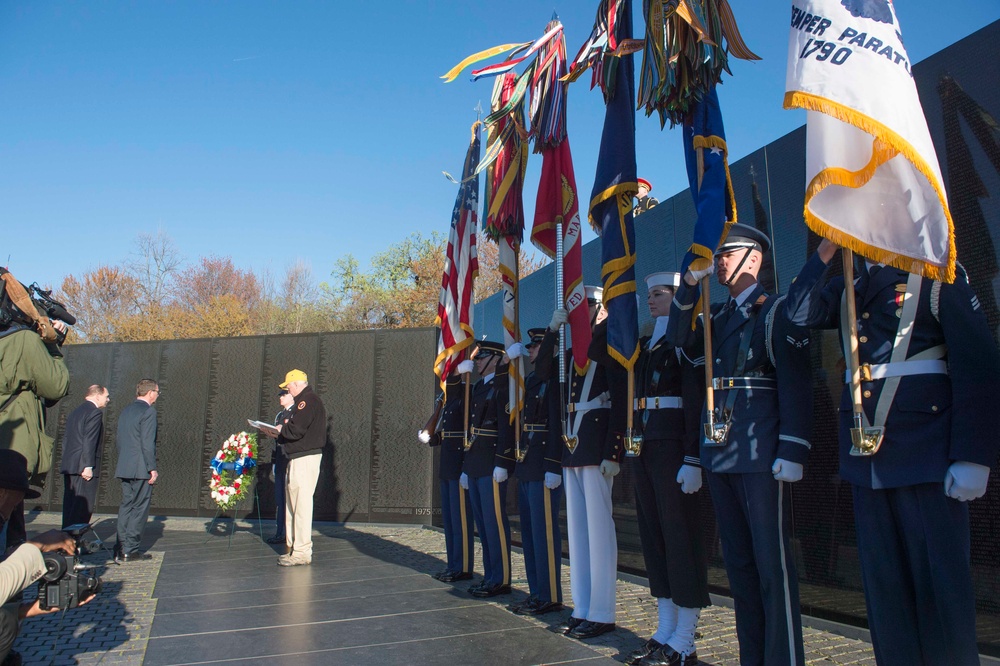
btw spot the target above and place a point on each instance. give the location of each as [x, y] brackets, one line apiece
[453, 73]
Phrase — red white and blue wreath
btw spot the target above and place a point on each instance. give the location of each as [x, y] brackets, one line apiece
[233, 469]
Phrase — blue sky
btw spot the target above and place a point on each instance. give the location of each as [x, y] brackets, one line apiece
[271, 132]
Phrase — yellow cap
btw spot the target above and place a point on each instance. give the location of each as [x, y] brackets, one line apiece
[293, 376]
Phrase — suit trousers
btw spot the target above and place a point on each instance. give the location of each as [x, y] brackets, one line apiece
[489, 508]
[78, 499]
[10, 625]
[914, 547]
[300, 484]
[593, 545]
[280, 471]
[456, 516]
[754, 516]
[133, 512]
[541, 539]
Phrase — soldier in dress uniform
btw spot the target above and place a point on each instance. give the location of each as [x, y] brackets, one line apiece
[643, 201]
[456, 513]
[930, 377]
[670, 390]
[539, 477]
[759, 444]
[486, 466]
[589, 468]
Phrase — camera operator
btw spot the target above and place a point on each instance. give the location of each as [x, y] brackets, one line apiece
[32, 377]
[26, 564]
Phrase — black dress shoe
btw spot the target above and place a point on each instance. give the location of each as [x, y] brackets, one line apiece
[134, 556]
[521, 607]
[647, 649]
[667, 656]
[456, 576]
[276, 539]
[591, 629]
[569, 625]
[488, 591]
[478, 586]
[440, 574]
[544, 607]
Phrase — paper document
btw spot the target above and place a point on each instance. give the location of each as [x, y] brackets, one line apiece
[265, 428]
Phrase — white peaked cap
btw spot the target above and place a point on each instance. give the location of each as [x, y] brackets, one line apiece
[663, 279]
[596, 293]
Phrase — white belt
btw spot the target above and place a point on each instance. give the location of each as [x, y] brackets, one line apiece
[899, 369]
[602, 401]
[659, 402]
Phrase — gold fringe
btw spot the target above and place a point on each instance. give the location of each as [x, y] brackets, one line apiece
[453, 73]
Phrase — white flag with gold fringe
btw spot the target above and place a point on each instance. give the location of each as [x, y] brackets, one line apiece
[873, 180]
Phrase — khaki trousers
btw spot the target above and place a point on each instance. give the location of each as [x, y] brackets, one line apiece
[300, 484]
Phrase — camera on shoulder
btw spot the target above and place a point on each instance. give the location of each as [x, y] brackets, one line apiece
[66, 581]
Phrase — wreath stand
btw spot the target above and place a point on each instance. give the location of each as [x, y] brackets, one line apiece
[221, 513]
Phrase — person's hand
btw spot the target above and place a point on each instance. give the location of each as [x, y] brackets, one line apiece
[610, 469]
[53, 540]
[689, 477]
[827, 248]
[153, 476]
[87, 473]
[499, 474]
[559, 317]
[424, 436]
[60, 325]
[464, 480]
[34, 608]
[693, 277]
[516, 350]
[280, 425]
[785, 470]
[465, 367]
[552, 481]
[966, 481]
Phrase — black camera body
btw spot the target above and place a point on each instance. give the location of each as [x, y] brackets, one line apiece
[65, 580]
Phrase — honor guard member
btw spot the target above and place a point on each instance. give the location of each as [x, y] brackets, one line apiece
[930, 375]
[755, 443]
[487, 464]
[667, 471]
[539, 476]
[643, 201]
[456, 514]
[591, 460]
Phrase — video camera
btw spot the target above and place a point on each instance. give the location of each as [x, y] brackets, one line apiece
[15, 298]
[65, 580]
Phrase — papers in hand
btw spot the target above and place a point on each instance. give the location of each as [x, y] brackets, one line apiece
[265, 428]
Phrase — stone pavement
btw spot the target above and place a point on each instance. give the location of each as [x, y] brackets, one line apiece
[160, 609]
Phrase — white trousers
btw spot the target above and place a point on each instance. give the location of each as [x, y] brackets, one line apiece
[300, 484]
[593, 546]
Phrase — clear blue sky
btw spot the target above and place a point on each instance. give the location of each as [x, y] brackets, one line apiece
[276, 131]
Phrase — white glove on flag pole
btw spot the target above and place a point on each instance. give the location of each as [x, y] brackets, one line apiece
[874, 183]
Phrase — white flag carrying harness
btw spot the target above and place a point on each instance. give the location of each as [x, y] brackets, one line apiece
[874, 183]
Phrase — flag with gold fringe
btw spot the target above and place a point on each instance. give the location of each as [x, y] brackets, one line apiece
[615, 185]
[461, 265]
[874, 184]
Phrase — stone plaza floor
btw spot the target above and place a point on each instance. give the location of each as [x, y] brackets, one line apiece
[218, 597]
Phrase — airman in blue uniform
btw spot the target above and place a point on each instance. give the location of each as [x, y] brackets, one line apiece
[930, 377]
[759, 443]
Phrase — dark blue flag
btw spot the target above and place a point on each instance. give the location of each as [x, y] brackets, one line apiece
[611, 199]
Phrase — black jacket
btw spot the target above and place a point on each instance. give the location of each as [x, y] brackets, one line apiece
[541, 410]
[83, 439]
[451, 430]
[305, 431]
[491, 432]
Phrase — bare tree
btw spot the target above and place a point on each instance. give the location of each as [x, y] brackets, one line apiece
[154, 265]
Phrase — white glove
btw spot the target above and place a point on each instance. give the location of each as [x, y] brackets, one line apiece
[785, 470]
[499, 474]
[464, 480]
[465, 367]
[705, 272]
[610, 469]
[689, 477]
[559, 317]
[552, 481]
[424, 436]
[516, 350]
[966, 481]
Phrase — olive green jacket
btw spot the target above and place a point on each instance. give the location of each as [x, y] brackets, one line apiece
[28, 369]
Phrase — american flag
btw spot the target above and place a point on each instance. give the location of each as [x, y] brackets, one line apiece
[461, 266]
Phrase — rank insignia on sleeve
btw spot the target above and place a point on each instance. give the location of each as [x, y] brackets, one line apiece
[975, 302]
[301, 405]
[901, 287]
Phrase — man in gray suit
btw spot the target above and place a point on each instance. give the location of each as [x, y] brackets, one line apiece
[136, 469]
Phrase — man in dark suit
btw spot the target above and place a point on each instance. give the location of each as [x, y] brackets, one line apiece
[757, 444]
[930, 377]
[136, 469]
[81, 456]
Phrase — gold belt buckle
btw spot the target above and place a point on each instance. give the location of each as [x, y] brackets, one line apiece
[866, 372]
[642, 403]
[633, 444]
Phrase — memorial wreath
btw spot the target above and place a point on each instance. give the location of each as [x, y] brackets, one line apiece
[233, 469]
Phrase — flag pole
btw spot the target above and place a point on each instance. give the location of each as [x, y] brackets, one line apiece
[560, 303]
[465, 444]
[865, 441]
[518, 363]
[710, 427]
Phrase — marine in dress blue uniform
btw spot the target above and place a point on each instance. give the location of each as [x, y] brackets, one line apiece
[588, 475]
[762, 371]
[937, 390]
[486, 467]
[670, 394]
[539, 480]
[456, 513]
